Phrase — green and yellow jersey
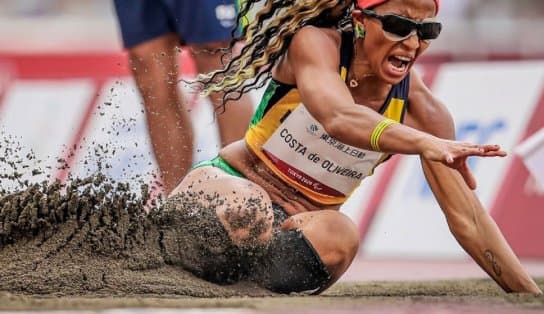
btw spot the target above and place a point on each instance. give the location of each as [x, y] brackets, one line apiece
[295, 146]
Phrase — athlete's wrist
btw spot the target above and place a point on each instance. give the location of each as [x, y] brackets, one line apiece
[422, 142]
[402, 139]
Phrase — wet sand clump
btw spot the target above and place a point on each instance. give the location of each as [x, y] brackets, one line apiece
[94, 236]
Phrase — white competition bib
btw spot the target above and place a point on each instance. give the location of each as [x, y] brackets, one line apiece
[302, 150]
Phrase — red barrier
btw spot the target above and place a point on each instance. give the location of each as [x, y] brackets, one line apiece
[519, 208]
[62, 66]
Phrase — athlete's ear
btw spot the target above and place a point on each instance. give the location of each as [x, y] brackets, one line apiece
[359, 17]
[359, 23]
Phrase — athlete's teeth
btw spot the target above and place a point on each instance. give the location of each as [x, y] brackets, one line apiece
[405, 59]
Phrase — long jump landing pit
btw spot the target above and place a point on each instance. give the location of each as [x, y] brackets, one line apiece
[92, 246]
[444, 297]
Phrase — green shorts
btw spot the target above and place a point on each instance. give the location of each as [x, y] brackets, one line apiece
[220, 163]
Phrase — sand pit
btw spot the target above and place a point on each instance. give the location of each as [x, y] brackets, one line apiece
[456, 296]
[94, 245]
[94, 237]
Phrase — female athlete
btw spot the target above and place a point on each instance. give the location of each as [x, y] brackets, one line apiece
[341, 99]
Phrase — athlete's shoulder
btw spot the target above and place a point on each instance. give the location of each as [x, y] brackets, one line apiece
[311, 32]
[315, 39]
[315, 45]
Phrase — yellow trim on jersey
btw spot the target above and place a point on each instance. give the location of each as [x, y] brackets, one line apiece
[259, 133]
[343, 73]
[395, 109]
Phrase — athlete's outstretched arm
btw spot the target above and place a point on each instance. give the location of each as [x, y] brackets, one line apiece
[475, 230]
[468, 221]
[328, 99]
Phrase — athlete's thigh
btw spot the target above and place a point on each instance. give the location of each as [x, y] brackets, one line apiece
[243, 207]
[209, 181]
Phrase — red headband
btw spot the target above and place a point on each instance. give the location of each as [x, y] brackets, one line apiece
[364, 4]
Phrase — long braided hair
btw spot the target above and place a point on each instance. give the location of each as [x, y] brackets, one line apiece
[266, 39]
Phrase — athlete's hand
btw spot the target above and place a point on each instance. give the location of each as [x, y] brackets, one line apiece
[454, 154]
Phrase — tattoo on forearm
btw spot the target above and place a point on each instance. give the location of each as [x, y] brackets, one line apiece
[491, 258]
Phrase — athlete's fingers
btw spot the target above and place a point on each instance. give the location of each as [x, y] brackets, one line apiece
[490, 147]
[483, 150]
[493, 150]
[467, 149]
[499, 153]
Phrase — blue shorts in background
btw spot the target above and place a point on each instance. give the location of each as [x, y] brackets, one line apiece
[196, 21]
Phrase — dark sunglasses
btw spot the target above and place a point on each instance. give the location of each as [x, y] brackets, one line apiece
[400, 28]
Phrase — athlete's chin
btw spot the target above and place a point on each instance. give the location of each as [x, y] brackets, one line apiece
[393, 80]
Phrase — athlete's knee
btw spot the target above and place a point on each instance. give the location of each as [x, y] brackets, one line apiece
[248, 217]
[193, 237]
[344, 241]
[290, 264]
[335, 238]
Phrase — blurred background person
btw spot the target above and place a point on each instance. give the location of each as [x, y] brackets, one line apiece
[152, 31]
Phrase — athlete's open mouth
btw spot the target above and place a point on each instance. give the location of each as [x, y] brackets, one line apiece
[399, 63]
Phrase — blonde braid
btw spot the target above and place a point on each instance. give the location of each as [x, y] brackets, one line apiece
[267, 38]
